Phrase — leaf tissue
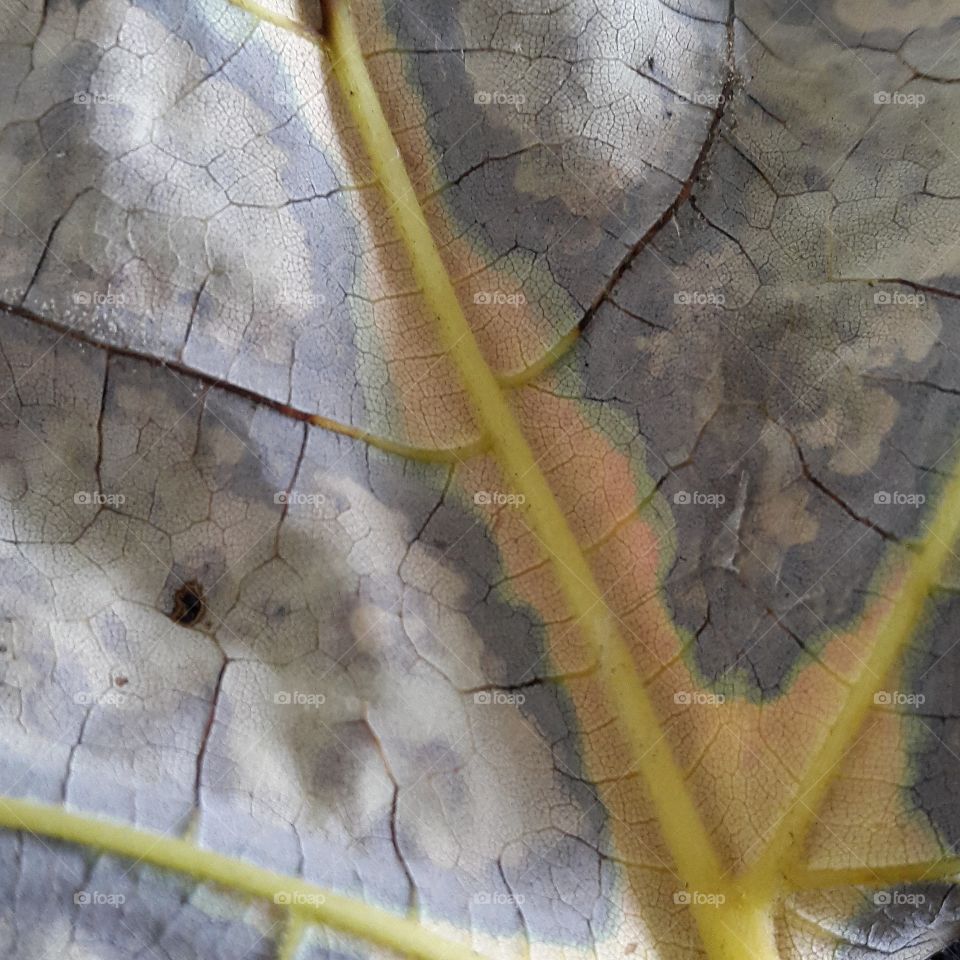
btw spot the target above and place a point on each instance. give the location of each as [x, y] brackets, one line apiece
[479, 480]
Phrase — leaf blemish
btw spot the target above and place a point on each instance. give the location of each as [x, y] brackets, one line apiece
[189, 604]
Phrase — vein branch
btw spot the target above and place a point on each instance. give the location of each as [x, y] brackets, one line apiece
[889, 875]
[897, 628]
[312, 902]
[455, 454]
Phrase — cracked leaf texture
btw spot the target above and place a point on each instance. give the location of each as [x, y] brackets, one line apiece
[489, 468]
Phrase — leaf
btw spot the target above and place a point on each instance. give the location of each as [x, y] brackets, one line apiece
[479, 480]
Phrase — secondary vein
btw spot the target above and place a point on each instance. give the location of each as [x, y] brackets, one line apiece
[305, 900]
[895, 632]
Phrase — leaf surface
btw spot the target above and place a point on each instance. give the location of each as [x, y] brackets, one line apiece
[481, 478]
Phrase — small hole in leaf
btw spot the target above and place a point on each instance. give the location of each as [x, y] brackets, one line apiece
[189, 604]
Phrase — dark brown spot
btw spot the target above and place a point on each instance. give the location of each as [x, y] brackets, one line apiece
[120, 681]
[189, 604]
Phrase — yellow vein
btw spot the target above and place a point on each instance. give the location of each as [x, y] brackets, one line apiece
[683, 830]
[294, 934]
[266, 15]
[424, 454]
[893, 635]
[889, 875]
[308, 901]
[550, 357]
